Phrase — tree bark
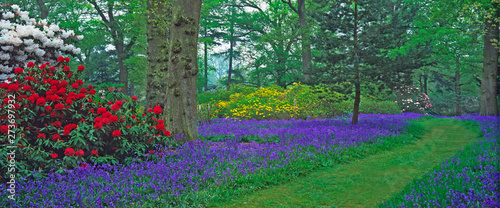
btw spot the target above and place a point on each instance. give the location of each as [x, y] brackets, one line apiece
[357, 81]
[458, 107]
[44, 11]
[180, 104]
[231, 46]
[206, 61]
[489, 104]
[306, 45]
[120, 50]
[159, 17]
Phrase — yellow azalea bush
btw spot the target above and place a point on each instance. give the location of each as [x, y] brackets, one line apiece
[274, 102]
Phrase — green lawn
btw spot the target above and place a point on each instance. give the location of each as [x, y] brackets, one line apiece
[366, 182]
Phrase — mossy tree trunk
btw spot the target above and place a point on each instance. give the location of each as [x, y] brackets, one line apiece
[159, 19]
[490, 68]
[180, 102]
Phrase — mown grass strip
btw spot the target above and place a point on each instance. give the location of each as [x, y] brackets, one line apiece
[366, 182]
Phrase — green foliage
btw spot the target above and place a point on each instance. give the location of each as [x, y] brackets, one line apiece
[50, 112]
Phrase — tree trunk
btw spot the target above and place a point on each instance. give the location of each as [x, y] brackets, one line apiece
[306, 45]
[206, 61]
[180, 104]
[44, 11]
[357, 81]
[159, 17]
[458, 108]
[231, 46]
[425, 84]
[490, 69]
[120, 50]
[230, 70]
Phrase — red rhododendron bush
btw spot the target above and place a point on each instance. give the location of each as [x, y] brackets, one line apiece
[51, 120]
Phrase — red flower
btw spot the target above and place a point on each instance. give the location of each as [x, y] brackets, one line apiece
[160, 127]
[31, 65]
[59, 106]
[66, 68]
[160, 121]
[63, 84]
[79, 153]
[134, 98]
[83, 90]
[94, 152]
[42, 136]
[52, 68]
[81, 68]
[90, 86]
[106, 114]
[98, 125]
[157, 110]
[69, 152]
[101, 110]
[13, 87]
[150, 110]
[60, 59]
[57, 137]
[18, 70]
[53, 155]
[56, 124]
[82, 120]
[167, 133]
[119, 103]
[113, 119]
[117, 133]
[83, 165]
[92, 92]
[69, 102]
[48, 109]
[91, 111]
[151, 151]
[114, 148]
[27, 88]
[68, 128]
[40, 101]
[115, 107]
[75, 85]
[4, 129]
[66, 59]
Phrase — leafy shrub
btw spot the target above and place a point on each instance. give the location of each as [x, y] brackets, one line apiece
[24, 39]
[57, 123]
[410, 99]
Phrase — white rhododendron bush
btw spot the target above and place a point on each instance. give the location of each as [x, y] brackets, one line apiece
[24, 39]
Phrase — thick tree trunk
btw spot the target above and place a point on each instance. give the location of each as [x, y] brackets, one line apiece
[180, 105]
[306, 45]
[44, 11]
[159, 17]
[490, 69]
[357, 81]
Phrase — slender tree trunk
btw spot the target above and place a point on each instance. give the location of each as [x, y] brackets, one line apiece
[357, 81]
[159, 17]
[206, 61]
[421, 84]
[458, 107]
[180, 104]
[44, 11]
[425, 84]
[489, 104]
[306, 45]
[231, 46]
[120, 50]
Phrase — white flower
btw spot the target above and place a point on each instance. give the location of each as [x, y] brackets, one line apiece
[8, 15]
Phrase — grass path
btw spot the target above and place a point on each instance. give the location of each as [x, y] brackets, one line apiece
[366, 182]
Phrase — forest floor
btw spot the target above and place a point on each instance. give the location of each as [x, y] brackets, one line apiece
[369, 181]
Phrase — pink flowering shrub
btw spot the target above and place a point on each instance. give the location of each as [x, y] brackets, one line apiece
[410, 99]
